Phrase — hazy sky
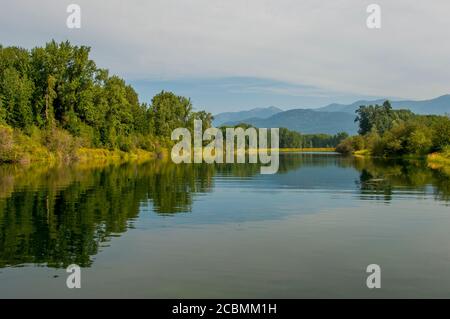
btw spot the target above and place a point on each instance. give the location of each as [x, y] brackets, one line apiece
[238, 54]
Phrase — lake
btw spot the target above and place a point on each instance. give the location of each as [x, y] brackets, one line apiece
[160, 230]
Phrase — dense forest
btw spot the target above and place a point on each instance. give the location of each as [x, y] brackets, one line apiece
[56, 97]
[294, 139]
[386, 132]
[54, 101]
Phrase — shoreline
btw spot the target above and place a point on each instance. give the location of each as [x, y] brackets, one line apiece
[84, 155]
[436, 160]
[58, 146]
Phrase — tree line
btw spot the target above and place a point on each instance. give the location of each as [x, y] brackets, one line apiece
[294, 139]
[54, 98]
[384, 131]
[57, 88]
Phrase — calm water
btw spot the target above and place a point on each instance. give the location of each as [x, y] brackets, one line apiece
[161, 230]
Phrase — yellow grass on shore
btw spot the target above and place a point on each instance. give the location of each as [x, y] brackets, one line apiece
[101, 154]
[438, 159]
[362, 153]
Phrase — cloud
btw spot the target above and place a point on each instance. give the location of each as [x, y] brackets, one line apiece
[317, 44]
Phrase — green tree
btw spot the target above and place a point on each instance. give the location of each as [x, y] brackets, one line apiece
[380, 117]
[441, 136]
[205, 117]
[170, 111]
[15, 92]
[50, 95]
[419, 139]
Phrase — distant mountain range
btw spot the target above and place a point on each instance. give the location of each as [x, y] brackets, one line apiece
[306, 121]
[329, 119]
[439, 105]
[259, 112]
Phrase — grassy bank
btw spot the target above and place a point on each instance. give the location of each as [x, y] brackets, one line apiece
[100, 154]
[440, 160]
[364, 152]
[59, 146]
[436, 160]
[368, 153]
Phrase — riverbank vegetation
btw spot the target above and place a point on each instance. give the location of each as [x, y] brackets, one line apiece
[385, 132]
[56, 104]
[294, 141]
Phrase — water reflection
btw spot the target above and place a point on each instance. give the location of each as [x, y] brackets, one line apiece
[62, 215]
[385, 177]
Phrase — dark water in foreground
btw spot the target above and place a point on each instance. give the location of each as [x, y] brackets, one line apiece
[161, 230]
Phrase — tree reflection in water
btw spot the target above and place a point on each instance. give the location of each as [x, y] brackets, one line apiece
[61, 215]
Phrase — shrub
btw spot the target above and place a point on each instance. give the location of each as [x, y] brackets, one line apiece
[358, 142]
[125, 143]
[345, 147]
[145, 142]
[392, 142]
[351, 144]
[371, 140]
[419, 140]
[377, 147]
[87, 137]
[6, 144]
[62, 144]
[441, 136]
